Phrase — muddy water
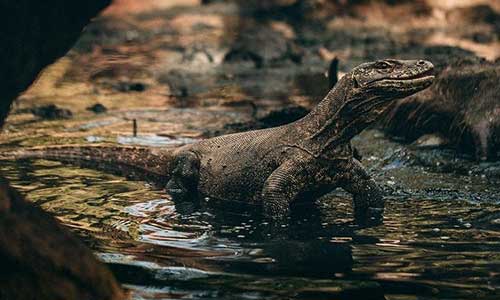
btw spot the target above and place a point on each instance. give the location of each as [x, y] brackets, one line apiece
[163, 65]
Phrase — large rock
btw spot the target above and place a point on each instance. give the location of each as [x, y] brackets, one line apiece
[39, 259]
[33, 34]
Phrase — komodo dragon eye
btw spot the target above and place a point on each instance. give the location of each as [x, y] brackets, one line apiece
[382, 65]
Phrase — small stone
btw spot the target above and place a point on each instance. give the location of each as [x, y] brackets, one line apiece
[51, 112]
[97, 108]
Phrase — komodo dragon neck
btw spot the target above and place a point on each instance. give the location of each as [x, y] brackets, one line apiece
[325, 128]
[356, 101]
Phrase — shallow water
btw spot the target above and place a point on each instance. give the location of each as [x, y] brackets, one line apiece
[440, 238]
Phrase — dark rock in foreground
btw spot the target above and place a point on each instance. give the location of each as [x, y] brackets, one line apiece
[41, 260]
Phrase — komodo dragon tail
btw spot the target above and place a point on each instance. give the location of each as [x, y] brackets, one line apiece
[135, 162]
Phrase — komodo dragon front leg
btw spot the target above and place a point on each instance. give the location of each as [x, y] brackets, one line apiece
[367, 196]
[283, 186]
[183, 182]
[300, 175]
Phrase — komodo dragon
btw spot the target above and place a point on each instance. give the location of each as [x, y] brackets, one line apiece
[309, 157]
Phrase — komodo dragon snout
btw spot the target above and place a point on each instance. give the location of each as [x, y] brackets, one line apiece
[377, 83]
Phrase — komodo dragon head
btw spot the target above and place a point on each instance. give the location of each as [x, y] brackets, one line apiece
[360, 98]
[377, 83]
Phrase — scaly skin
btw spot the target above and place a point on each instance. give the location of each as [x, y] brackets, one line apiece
[275, 166]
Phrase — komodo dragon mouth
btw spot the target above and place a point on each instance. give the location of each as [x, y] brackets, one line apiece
[406, 84]
[428, 73]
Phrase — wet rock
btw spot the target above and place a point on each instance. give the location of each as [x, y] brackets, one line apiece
[40, 259]
[289, 10]
[97, 108]
[51, 112]
[441, 160]
[314, 85]
[461, 105]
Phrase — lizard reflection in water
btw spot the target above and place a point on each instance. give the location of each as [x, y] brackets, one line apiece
[275, 166]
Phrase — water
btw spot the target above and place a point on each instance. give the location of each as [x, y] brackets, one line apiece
[434, 244]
